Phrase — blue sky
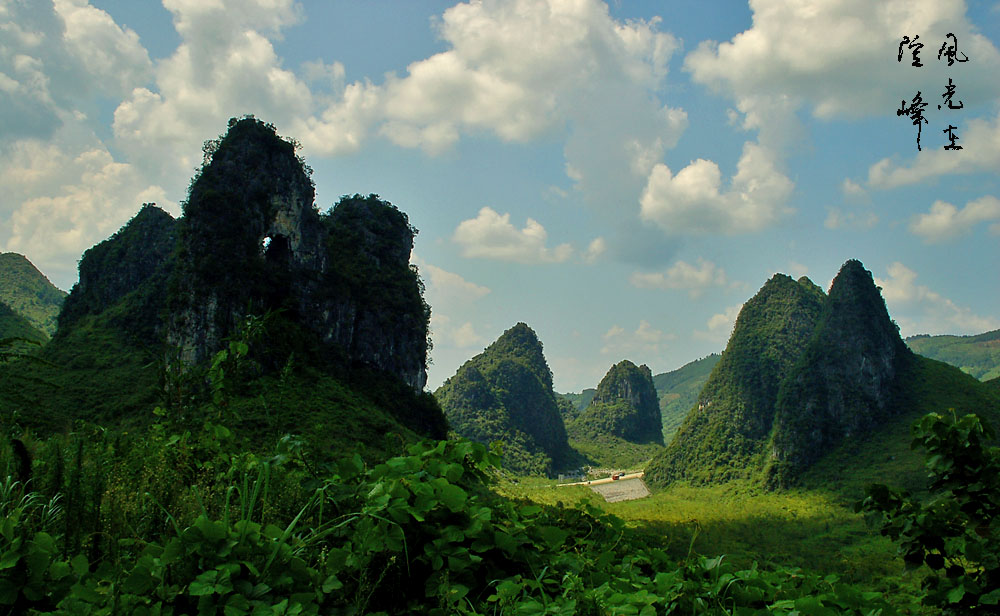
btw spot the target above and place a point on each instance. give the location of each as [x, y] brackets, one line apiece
[619, 176]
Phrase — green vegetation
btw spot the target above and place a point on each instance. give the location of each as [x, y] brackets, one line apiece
[195, 440]
[13, 325]
[723, 436]
[846, 383]
[131, 267]
[976, 355]
[624, 406]
[505, 394]
[886, 452]
[29, 293]
[802, 374]
[181, 522]
[580, 400]
[678, 391]
[952, 533]
[621, 426]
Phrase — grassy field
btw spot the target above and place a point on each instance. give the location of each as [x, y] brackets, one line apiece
[816, 530]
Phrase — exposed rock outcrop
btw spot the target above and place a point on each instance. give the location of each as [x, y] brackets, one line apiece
[136, 259]
[251, 241]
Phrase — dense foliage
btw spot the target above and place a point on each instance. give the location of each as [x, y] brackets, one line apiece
[724, 435]
[103, 527]
[952, 533]
[505, 394]
[131, 267]
[977, 355]
[29, 293]
[13, 325]
[160, 297]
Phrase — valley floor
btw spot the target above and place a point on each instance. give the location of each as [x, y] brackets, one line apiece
[812, 529]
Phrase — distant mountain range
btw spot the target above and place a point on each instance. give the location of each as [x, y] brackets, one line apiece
[975, 355]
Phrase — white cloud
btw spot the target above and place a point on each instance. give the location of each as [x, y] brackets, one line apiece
[492, 236]
[852, 190]
[692, 201]
[645, 342]
[55, 58]
[946, 222]
[448, 288]
[919, 310]
[839, 59]
[980, 141]
[514, 70]
[720, 325]
[225, 66]
[596, 248]
[447, 334]
[68, 199]
[682, 275]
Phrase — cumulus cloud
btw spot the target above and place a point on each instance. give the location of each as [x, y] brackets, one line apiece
[838, 58]
[682, 275]
[67, 199]
[720, 325]
[919, 310]
[513, 70]
[225, 66]
[646, 341]
[693, 200]
[852, 190]
[980, 141]
[492, 236]
[55, 56]
[946, 222]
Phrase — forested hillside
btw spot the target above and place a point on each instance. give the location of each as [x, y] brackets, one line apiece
[230, 419]
[977, 355]
[29, 293]
[505, 394]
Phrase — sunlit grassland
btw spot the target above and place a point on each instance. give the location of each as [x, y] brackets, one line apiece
[812, 529]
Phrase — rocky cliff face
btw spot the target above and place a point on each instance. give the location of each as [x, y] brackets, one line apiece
[845, 383]
[724, 434]
[137, 257]
[625, 406]
[251, 242]
[505, 393]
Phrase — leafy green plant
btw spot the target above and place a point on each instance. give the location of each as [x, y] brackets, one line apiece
[952, 533]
